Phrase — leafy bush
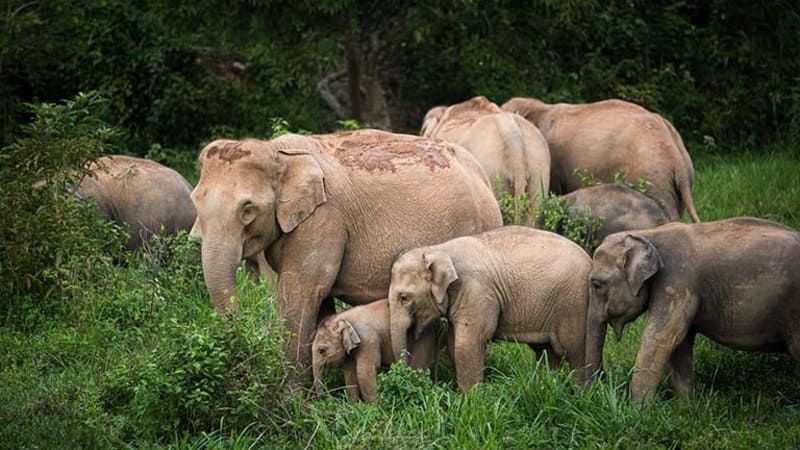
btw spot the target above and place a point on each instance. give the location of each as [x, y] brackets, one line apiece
[51, 242]
[554, 215]
[620, 176]
[516, 209]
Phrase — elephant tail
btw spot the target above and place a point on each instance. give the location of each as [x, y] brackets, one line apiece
[684, 176]
[684, 186]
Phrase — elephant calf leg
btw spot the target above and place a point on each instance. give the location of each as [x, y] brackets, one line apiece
[469, 359]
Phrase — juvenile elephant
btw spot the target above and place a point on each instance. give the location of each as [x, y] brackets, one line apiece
[611, 135]
[621, 207]
[513, 283]
[510, 149]
[140, 194]
[331, 211]
[357, 339]
[736, 281]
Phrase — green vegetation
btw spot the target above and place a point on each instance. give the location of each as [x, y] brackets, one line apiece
[553, 214]
[103, 355]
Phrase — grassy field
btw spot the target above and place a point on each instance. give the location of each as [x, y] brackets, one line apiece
[141, 360]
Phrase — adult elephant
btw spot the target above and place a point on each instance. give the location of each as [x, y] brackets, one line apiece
[331, 211]
[513, 152]
[612, 135]
[141, 194]
[735, 281]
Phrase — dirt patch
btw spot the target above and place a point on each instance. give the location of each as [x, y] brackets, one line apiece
[388, 155]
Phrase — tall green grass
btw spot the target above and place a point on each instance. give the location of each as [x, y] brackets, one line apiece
[141, 360]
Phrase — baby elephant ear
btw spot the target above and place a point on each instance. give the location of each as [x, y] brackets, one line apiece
[441, 273]
[642, 261]
[350, 338]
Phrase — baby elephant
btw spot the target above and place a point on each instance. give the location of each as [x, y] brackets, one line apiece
[736, 281]
[512, 283]
[357, 338]
[622, 208]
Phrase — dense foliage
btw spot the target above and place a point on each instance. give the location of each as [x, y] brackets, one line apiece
[179, 73]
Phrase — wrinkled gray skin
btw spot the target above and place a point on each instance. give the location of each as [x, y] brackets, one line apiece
[606, 136]
[622, 208]
[358, 340]
[140, 194]
[331, 211]
[735, 281]
[514, 283]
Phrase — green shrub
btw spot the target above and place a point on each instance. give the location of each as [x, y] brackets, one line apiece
[51, 242]
[516, 209]
[553, 214]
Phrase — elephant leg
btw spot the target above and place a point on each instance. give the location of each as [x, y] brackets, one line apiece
[351, 380]
[681, 367]
[469, 357]
[304, 283]
[553, 360]
[423, 350]
[367, 375]
[657, 344]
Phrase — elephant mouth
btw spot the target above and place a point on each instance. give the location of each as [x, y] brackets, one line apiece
[619, 327]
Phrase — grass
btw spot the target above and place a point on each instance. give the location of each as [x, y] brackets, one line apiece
[142, 361]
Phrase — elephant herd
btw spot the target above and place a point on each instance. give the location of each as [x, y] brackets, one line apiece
[408, 231]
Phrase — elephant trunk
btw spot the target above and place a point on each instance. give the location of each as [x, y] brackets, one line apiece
[220, 261]
[319, 372]
[400, 323]
[596, 325]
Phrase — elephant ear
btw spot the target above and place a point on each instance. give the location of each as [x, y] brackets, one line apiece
[432, 119]
[350, 338]
[641, 261]
[302, 188]
[441, 273]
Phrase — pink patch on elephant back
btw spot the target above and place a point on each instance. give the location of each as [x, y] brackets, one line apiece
[386, 155]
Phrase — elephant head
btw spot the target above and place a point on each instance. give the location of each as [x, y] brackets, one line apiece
[529, 108]
[432, 119]
[619, 292]
[250, 193]
[418, 294]
[333, 341]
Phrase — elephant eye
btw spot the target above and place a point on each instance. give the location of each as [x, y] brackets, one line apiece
[404, 298]
[598, 285]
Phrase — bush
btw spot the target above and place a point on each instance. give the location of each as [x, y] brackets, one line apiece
[51, 242]
[553, 215]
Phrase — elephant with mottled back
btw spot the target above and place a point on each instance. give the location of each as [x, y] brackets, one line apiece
[605, 137]
[331, 211]
[140, 194]
[513, 152]
[735, 281]
[514, 283]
